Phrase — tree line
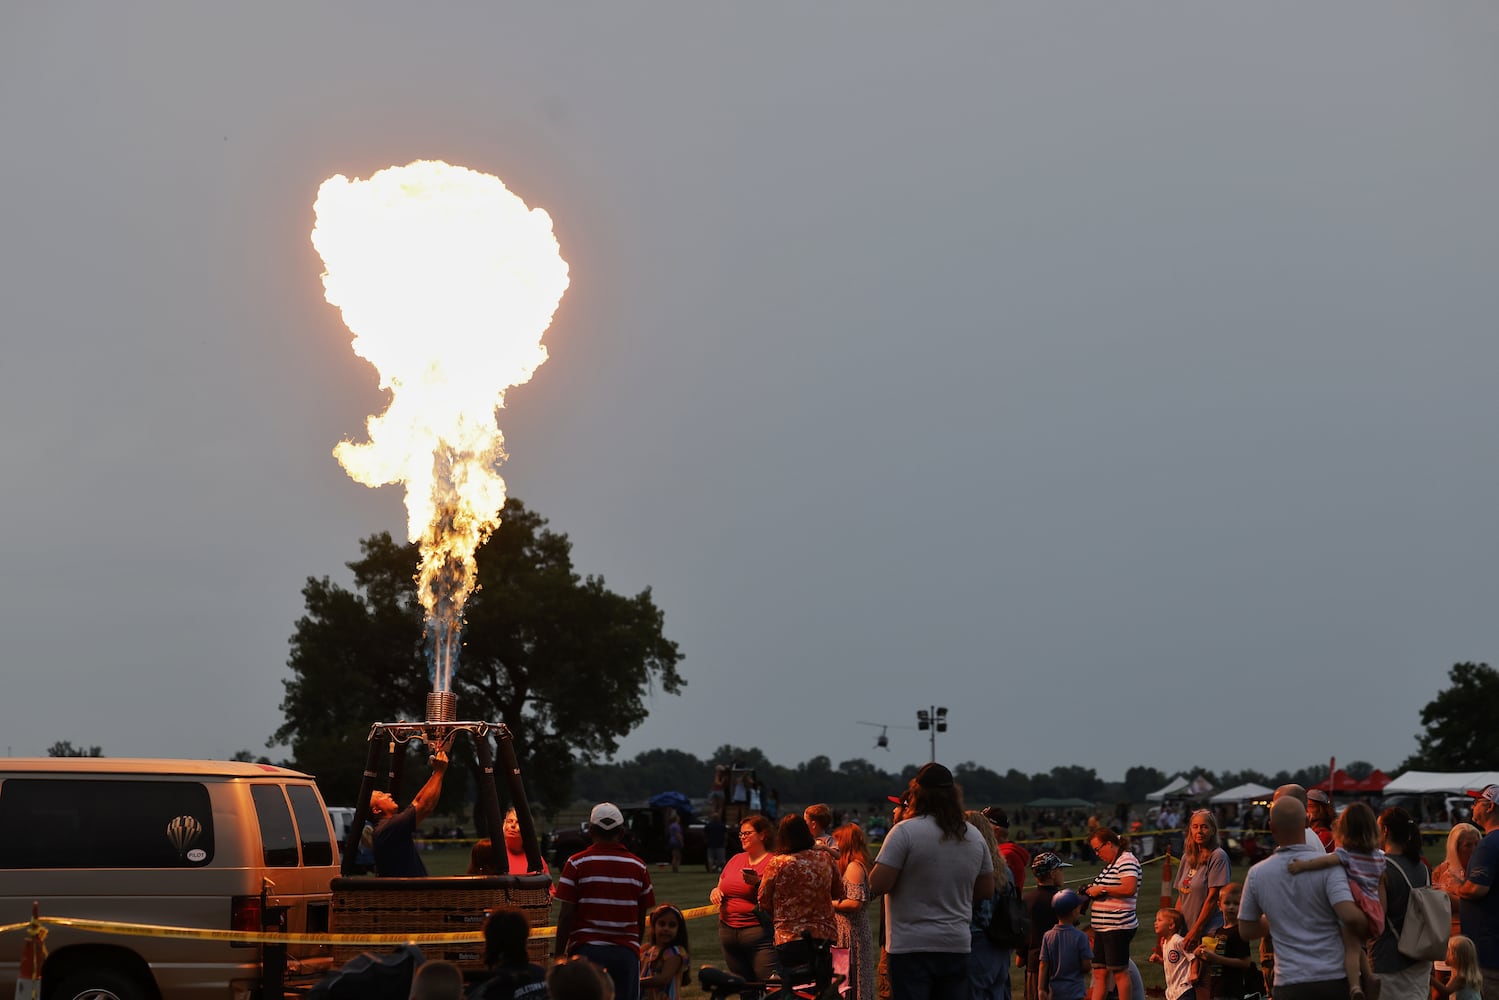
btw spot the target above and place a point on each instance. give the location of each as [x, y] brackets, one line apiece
[858, 781]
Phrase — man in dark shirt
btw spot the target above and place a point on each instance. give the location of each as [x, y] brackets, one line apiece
[395, 850]
[1477, 902]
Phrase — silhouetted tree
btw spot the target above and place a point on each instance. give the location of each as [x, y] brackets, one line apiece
[65, 748]
[1460, 732]
[1141, 781]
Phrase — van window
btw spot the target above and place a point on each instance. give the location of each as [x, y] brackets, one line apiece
[312, 822]
[278, 837]
[87, 823]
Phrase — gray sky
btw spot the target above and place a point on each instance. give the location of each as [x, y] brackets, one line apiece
[1118, 376]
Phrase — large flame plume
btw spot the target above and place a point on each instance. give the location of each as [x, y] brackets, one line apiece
[447, 281]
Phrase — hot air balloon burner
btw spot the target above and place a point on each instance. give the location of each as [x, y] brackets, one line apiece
[442, 706]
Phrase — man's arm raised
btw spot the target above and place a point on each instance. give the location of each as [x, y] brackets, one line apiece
[425, 800]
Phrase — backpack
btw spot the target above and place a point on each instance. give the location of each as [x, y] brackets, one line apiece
[1427, 923]
[1010, 926]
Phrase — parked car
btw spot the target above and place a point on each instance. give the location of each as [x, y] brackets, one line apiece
[645, 835]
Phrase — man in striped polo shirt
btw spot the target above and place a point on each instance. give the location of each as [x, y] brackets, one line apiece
[605, 892]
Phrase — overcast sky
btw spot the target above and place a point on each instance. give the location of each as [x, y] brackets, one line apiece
[1119, 376]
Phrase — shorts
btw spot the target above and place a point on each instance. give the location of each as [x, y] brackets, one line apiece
[1112, 948]
[1371, 907]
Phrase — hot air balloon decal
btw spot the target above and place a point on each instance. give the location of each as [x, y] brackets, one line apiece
[183, 832]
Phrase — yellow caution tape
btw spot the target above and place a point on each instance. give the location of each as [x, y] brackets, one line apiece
[269, 937]
[262, 937]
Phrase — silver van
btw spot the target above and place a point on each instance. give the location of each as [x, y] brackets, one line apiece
[222, 845]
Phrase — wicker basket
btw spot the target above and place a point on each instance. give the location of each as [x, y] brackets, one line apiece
[438, 906]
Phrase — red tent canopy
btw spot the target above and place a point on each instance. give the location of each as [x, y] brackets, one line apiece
[1342, 781]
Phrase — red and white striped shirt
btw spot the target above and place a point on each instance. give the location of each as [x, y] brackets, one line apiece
[611, 891]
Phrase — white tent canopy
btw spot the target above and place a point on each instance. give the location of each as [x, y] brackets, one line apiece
[1440, 782]
[1242, 793]
[1181, 787]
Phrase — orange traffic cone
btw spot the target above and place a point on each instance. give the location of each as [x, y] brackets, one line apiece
[33, 954]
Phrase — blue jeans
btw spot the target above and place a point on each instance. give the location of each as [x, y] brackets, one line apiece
[989, 970]
[622, 964]
[929, 975]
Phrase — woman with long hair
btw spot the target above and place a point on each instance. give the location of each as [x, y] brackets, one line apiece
[1204, 871]
[746, 943]
[1400, 839]
[854, 942]
[1461, 841]
[988, 965]
[798, 890]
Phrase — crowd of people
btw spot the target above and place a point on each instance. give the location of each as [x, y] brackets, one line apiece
[1336, 910]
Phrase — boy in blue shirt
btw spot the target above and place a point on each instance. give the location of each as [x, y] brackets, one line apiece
[1066, 958]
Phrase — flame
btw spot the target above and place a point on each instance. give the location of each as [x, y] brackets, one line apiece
[447, 281]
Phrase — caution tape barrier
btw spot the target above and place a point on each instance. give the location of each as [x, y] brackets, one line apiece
[266, 937]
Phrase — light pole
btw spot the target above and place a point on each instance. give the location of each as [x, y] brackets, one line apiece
[934, 719]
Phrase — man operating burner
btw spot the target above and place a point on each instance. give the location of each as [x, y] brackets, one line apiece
[395, 849]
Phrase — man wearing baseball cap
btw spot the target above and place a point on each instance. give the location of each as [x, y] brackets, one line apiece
[1478, 904]
[605, 892]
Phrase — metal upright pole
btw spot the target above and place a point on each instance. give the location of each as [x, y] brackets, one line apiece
[361, 810]
[490, 800]
[511, 768]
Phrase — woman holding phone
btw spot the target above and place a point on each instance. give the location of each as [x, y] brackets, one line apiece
[748, 947]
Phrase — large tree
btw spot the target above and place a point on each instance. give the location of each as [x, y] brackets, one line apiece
[561, 660]
[1460, 732]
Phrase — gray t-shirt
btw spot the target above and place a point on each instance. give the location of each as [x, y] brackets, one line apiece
[1308, 942]
[932, 902]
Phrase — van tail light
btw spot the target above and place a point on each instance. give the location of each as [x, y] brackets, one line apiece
[244, 915]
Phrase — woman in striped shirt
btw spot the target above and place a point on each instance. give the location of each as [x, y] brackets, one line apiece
[1114, 892]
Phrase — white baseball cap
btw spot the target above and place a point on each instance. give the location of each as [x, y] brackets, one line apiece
[606, 816]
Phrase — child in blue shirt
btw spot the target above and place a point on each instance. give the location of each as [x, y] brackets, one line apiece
[1066, 958]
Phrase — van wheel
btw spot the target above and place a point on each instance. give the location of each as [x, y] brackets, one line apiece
[101, 985]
